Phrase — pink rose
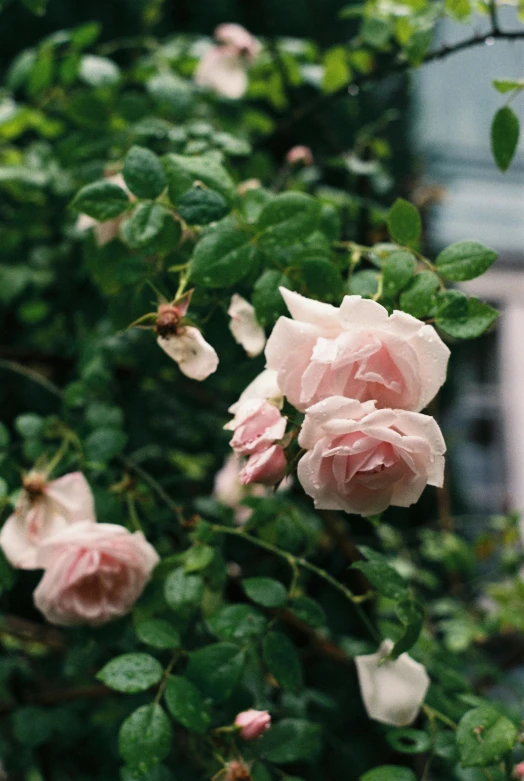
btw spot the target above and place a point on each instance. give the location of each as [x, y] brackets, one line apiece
[362, 460]
[188, 348]
[257, 424]
[224, 70]
[253, 723]
[356, 351]
[518, 770]
[245, 327]
[267, 467]
[228, 489]
[300, 154]
[239, 38]
[94, 573]
[43, 509]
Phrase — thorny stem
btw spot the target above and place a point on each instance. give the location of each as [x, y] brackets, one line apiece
[296, 561]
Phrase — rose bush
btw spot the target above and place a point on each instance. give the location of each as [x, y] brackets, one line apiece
[233, 576]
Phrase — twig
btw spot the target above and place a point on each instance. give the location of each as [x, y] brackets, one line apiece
[32, 375]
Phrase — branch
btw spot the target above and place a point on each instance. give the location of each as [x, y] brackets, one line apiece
[321, 101]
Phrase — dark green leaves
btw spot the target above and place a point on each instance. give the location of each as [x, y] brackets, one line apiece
[463, 317]
[216, 670]
[397, 270]
[389, 773]
[183, 592]
[101, 200]
[404, 223]
[144, 225]
[158, 634]
[418, 298]
[131, 673]
[464, 260]
[200, 207]
[484, 736]
[265, 591]
[505, 131]
[291, 740]
[288, 219]
[411, 616]
[282, 661]
[145, 737]
[222, 258]
[237, 623]
[186, 705]
[381, 574]
[182, 173]
[143, 173]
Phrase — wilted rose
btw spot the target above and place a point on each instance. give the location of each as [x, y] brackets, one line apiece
[392, 690]
[94, 573]
[43, 509]
[362, 460]
[357, 351]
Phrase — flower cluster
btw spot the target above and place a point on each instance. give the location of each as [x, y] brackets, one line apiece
[93, 572]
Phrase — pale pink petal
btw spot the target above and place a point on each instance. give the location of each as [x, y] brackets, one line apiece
[392, 690]
[267, 467]
[71, 496]
[194, 356]
[222, 69]
[244, 326]
[324, 316]
[264, 386]
[238, 37]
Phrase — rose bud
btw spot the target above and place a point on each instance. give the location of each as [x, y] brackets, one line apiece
[237, 771]
[300, 154]
[393, 690]
[253, 723]
[267, 467]
[257, 425]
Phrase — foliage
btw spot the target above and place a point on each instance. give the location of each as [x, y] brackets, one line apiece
[196, 196]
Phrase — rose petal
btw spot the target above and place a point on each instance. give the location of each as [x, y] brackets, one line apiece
[194, 356]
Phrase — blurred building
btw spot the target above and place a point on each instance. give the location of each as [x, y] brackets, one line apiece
[455, 103]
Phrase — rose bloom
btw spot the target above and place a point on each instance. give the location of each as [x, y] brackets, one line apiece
[224, 67]
[43, 509]
[266, 466]
[253, 723]
[300, 154]
[256, 425]
[245, 327]
[362, 460]
[393, 690]
[94, 573]
[518, 770]
[188, 348]
[356, 351]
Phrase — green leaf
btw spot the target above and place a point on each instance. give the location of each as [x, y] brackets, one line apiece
[198, 557]
[37, 7]
[463, 317]
[411, 615]
[222, 258]
[145, 737]
[183, 592]
[158, 633]
[397, 270]
[404, 223]
[381, 574]
[459, 9]
[131, 673]
[237, 623]
[145, 225]
[86, 34]
[323, 279]
[408, 741]
[464, 260]
[186, 705]
[389, 773]
[265, 591]
[267, 299]
[337, 72]
[103, 444]
[182, 173]
[288, 219]
[375, 31]
[291, 740]
[505, 131]
[309, 611]
[282, 660]
[99, 71]
[484, 736]
[29, 425]
[4, 436]
[101, 200]
[508, 85]
[143, 173]
[200, 207]
[216, 670]
[418, 299]
[364, 283]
